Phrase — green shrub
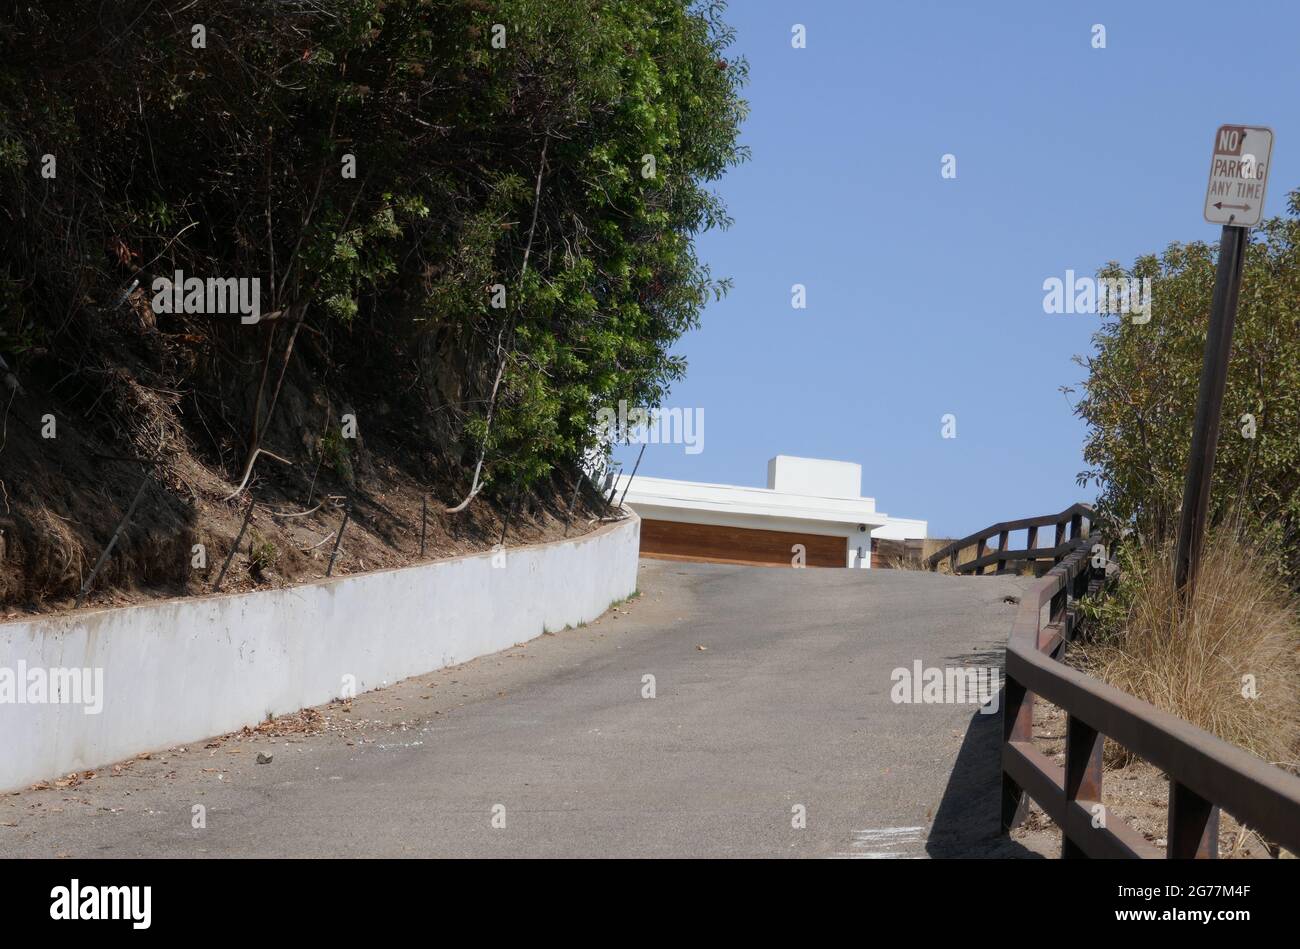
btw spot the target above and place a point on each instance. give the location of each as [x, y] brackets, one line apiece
[1140, 395]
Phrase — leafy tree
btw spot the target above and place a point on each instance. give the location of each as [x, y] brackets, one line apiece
[496, 142]
[1140, 396]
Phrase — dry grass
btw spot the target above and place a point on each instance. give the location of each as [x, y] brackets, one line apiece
[1197, 664]
[932, 545]
[908, 563]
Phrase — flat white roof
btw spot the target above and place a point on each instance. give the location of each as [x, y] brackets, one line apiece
[737, 499]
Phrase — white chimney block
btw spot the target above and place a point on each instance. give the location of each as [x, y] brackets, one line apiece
[815, 477]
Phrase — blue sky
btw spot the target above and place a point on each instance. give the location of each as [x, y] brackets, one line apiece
[924, 295]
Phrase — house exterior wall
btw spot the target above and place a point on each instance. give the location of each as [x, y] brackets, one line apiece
[804, 496]
[681, 540]
[902, 528]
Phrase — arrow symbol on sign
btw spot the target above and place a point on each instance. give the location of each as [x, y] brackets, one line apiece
[1233, 207]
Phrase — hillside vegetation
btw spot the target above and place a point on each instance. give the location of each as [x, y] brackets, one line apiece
[470, 223]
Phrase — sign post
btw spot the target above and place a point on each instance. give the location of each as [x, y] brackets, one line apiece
[1235, 199]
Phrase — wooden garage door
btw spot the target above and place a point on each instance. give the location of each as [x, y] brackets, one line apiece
[673, 540]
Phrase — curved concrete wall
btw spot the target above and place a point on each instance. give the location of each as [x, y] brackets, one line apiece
[178, 671]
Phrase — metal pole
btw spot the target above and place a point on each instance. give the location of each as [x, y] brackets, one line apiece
[613, 489]
[1209, 407]
[568, 517]
[112, 542]
[505, 525]
[234, 548]
[633, 475]
[338, 541]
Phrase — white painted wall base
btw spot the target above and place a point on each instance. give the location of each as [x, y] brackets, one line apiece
[181, 670]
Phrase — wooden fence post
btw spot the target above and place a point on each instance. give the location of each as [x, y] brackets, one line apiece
[1193, 825]
[1017, 725]
[1083, 747]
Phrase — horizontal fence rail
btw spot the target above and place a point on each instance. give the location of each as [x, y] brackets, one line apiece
[1074, 520]
[1205, 773]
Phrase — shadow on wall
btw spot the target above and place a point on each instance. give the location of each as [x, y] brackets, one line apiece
[967, 822]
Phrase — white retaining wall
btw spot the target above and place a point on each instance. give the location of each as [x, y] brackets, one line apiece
[181, 670]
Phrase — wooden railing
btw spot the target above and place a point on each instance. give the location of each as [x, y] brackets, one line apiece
[1075, 518]
[1205, 773]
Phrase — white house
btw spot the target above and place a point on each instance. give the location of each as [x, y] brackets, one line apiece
[811, 509]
